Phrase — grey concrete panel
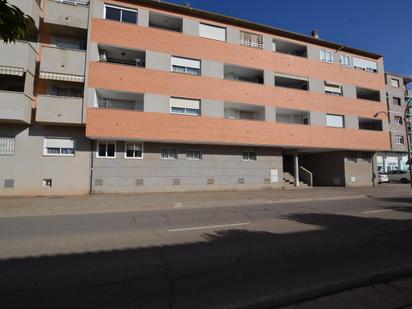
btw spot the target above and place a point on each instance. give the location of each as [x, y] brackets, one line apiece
[267, 43]
[233, 35]
[316, 85]
[93, 52]
[143, 18]
[63, 61]
[317, 118]
[156, 103]
[270, 114]
[313, 52]
[212, 108]
[59, 13]
[269, 78]
[59, 110]
[97, 7]
[15, 107]
[359, 173]
[213, 69]
[190, 27]
[29, 85]
[20, 55]
[349, 91]
[351, 122]
[158, 61]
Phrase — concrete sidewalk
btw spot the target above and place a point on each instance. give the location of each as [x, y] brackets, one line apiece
[32, 206]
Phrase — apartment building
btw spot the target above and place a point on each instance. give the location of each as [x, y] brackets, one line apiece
[397, 96]
[135, 96]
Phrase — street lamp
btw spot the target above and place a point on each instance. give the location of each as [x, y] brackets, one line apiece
[407, 120]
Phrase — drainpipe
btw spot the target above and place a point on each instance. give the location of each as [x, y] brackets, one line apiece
[296, 168]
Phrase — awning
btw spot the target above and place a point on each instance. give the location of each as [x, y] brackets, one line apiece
[63, 77]
[333, 83]
[11, 70]
[291, 76]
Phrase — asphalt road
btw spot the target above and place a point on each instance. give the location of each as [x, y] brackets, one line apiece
[234, 257]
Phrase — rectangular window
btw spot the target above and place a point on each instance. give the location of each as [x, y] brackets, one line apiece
[251, 39]
[249, 156]
[185, 65]
[366, 65]
[352, 157]
[400, 140]
[395, 83]
[120, 14]
[134, 150]
[398, 120]
[185, 106]
[396, 101]
[326, 56]
[212, 32]
[336, 121]
[106, 149]
[58, 147]
[168, 154]
[7, 146]
[333, 89]
[194, 155]
[345, 60]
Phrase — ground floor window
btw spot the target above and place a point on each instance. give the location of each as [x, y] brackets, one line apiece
[106, 149]
[249, 156]
[58, 147]
[134, 150]
[399, 140]
[168, 154]
[7, 146]
[194, 155]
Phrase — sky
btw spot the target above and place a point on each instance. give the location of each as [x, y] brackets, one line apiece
[379, 26]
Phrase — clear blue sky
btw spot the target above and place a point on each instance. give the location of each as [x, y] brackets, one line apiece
[378, 26]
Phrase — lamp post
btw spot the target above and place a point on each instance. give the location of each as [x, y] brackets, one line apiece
[407, 120]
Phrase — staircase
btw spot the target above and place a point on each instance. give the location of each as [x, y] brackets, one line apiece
[289, 182]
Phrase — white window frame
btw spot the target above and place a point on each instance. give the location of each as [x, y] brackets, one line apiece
[106, 142]
[133, 143]
[334, 126]
[323, 55]
[398, 120]
[395, 83]
[365, 64]
[169, 158]
[248, 156]
[186, 113]
[45, 153]
[258, 43]
[182, 60]
[332, 89]
[212, 27]
[399, 138]
[345, 60]
[8, 144]
[193, 158]
[121, 14]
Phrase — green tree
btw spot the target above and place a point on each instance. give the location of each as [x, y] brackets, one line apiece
[14, 24]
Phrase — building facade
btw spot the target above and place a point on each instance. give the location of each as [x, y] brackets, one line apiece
[136, 96]
[397, 96]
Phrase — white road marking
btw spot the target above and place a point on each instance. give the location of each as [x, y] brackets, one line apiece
[208, 227]
[376, 211]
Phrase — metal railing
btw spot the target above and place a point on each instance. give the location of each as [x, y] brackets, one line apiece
[306, 176]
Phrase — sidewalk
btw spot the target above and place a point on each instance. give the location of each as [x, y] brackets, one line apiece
[106, 203]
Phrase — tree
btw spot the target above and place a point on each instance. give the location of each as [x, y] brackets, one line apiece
[14, 24]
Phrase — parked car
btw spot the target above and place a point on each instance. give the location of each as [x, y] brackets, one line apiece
[401, 176]
[382, 177]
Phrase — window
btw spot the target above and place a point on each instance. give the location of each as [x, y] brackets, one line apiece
[134, 151]
[185, 65]
[106, 149]
[249, 156]
[194, 155]
[396, 101]
[289, 48]
[395, 83]
[251, 39]
[333, 89]
[168, 154]
[7, 146]
[326, 56]
[345, 60]
[398, 120]
[366, 157]
[58, 147]
[120, 14]
[185, 106]
[366, 65]
[212, 32]
[400, 140]
[67, 91]
[352, 157]
[69, 44]
[336, 121]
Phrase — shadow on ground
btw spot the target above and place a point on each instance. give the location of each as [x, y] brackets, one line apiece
[229, 269]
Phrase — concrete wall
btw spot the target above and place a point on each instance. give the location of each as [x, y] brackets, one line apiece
[19, 54]
[75, 16]
[15, 107]
[63, 61]
[158, 61]
[63, 110]
[28, 166]
[212, 69]
[360, 173]
[156, 103]
[190, 27]
[222, 164]
[212, 108]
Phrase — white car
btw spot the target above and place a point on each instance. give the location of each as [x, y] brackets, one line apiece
[399, 176]
[383, 178]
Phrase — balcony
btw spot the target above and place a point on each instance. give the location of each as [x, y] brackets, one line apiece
[370, 124]
[234, 72]
[289, 48]
[29, 7]
[368, 94]
[15, 107]
[67, 13]
[119, 100]
[136, 58]
[18, 55]
[62, 64]
[292, 116]
[59, 110]
[244, 111]
[291, 81]
[165, 22]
